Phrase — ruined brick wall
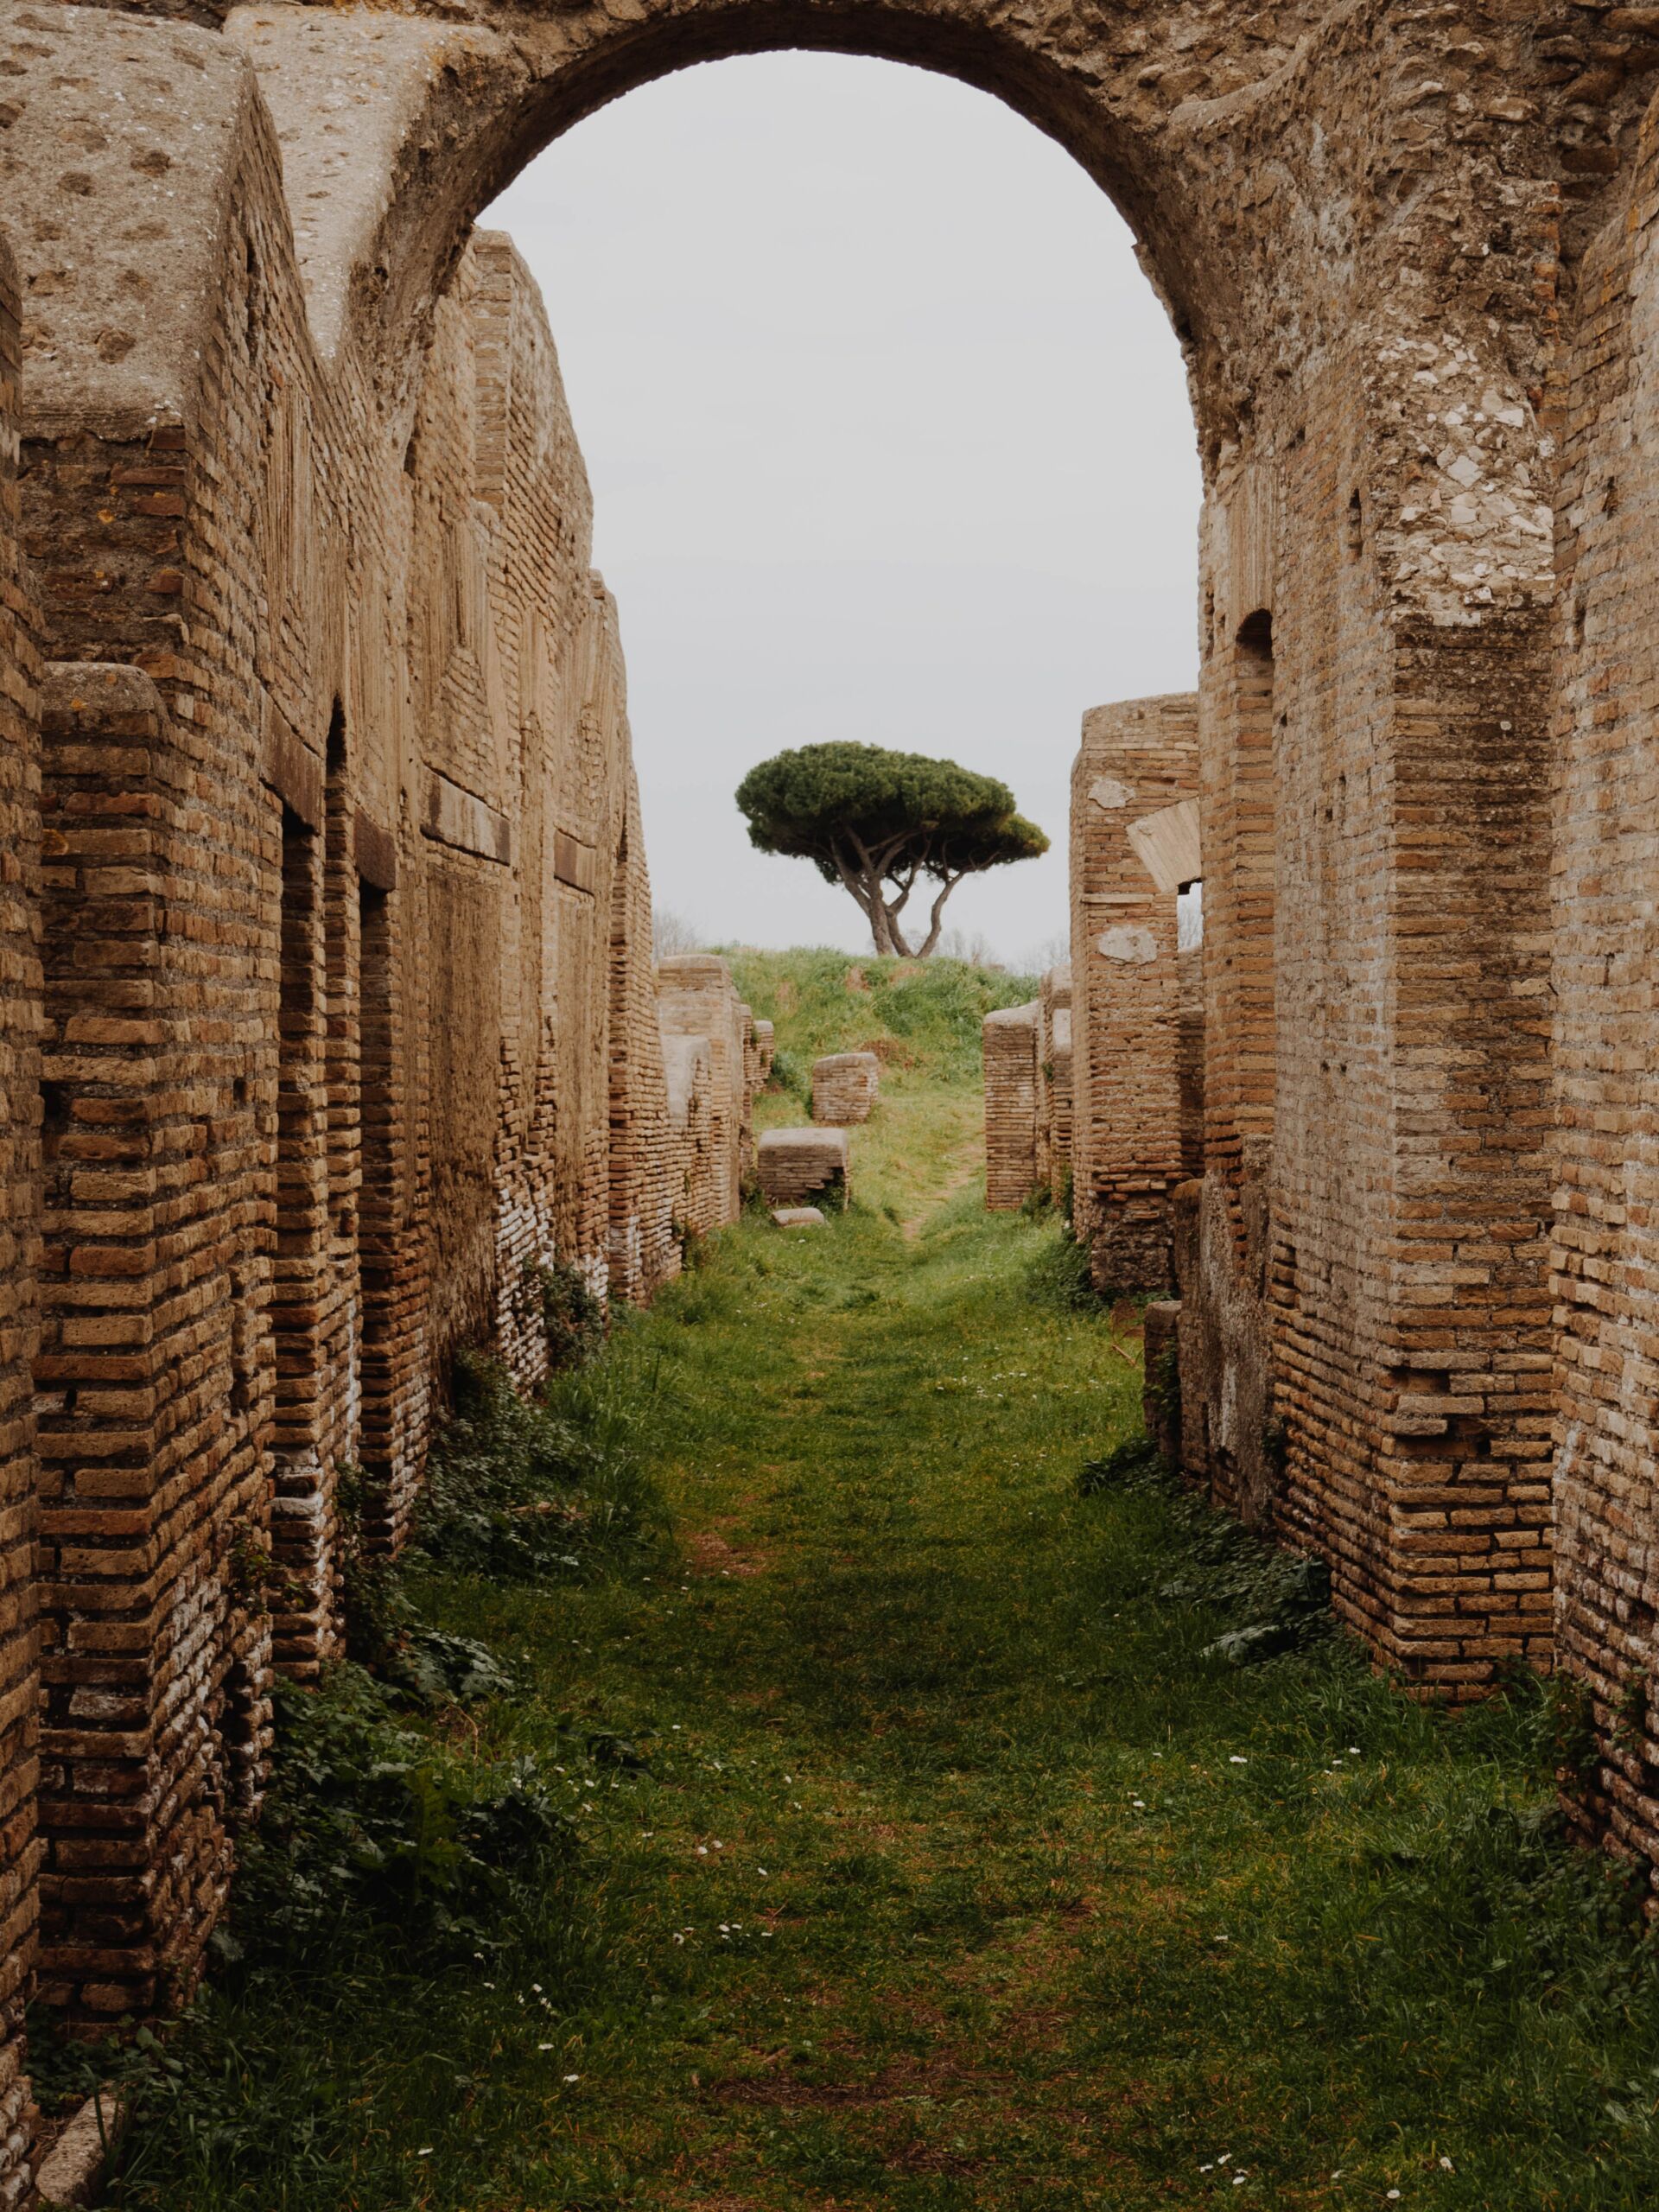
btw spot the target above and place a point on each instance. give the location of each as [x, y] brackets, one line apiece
[337, 737]
[19, 1237]
[1606, 1271]
[1360, 219]
[1054, 1082]
[697, 1186]
[1136, 760]
[1189, 1045]
[1369, 1251]
[349, 985]
[647, 1151]
[697, 998]
[1009, 1051]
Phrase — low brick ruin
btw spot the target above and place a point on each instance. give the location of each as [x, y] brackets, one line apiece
[326, 1008]
[1009, 1061]
[794, 1165]
[845, 1086]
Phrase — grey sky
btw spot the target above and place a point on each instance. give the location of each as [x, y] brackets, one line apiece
[889, 440]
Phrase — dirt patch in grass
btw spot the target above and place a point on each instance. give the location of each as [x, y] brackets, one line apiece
[708, 1554]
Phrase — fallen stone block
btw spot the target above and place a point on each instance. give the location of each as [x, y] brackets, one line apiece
[794, 1166]
[73, 2170]
[799, 1217]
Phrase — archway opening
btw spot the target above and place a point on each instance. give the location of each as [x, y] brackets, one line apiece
[889, 440]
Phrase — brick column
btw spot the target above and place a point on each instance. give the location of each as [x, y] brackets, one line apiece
[1137, 760]
[1009, 1044]
[1054, 1082]
[154, 1401]
[20, 1235]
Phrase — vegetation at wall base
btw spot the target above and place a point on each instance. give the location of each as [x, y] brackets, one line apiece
[931, 1852]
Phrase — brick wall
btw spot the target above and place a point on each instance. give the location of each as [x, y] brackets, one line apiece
[350, 1022]
[696, 999]
[1605, 1260]
[20, 1234]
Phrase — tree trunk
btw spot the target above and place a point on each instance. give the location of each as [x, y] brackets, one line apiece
[934, 922]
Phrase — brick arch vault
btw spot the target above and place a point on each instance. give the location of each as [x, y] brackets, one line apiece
[326, 993]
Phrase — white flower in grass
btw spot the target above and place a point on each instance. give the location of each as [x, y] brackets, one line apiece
[573, 2077]
[1235, 1759]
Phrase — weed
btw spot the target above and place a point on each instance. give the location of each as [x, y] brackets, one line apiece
[1060, 1276]
[555, 1489]
[373, 1829]
[572, 1314]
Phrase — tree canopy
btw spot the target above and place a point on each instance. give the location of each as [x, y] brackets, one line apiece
[868, 819]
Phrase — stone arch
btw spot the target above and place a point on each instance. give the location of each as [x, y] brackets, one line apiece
[1360, 229]
[458, 111]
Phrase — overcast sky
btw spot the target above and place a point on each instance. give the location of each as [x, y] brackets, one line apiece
[889, 440]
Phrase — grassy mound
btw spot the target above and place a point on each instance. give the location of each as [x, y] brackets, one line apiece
[921, 1018]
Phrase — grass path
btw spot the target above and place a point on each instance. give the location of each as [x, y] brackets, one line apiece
[958, 1879]
[927, 1861]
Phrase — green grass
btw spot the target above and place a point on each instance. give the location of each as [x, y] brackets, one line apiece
[925, 1861]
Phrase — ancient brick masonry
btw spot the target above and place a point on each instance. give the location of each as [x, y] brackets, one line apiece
[711, 1035]
[796, 1165]
[1605, 1260]
[1053, 1102]
[1009, 1058]
[1027, 1058]
[349, 1027]
[1138, 766]
[845, 1086]
[20, 1220]
[715, 1066]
